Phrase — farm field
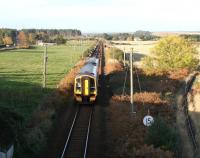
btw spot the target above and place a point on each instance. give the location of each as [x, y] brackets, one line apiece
[140, 48]
[164, 34]
[21, 74]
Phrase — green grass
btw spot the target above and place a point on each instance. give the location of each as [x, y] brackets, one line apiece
[21, 74]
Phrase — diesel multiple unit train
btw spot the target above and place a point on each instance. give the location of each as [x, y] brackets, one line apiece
[86, 82]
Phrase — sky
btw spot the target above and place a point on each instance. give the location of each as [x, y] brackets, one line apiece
[92, 16]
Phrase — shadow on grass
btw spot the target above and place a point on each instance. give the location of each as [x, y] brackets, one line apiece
[18, 101]
[31, 49]
[17, 73]
[21, 97]
[138, 56]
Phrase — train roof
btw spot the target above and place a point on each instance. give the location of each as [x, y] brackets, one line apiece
[90, 68]
[92, 60]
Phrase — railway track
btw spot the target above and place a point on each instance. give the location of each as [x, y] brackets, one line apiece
[188, 121]
[76, 144]
[183, 108]
[191, 132]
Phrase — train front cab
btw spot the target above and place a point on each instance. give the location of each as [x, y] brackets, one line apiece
[85, 89]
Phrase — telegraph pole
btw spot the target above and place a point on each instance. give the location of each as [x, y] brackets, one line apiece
[113, 54]
[131, 80]
[45, 67]
[124, 58]
[82, 48]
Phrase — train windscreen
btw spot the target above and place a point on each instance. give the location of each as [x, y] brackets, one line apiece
[78, 84]
[92, 85]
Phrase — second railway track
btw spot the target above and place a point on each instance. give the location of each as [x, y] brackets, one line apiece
[77, 140]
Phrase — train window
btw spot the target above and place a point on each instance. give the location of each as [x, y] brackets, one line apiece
[94, 64]
[78, 84]
[92, 84]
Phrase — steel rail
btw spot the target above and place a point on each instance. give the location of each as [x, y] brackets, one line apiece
[88, 133]
[70, 132]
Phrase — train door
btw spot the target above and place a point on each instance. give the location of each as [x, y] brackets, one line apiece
[86, 86]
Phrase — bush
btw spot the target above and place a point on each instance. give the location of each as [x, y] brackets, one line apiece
[87, 51]
[145, 97]
[161, 135]
[10, 126]
[171, 54]
[149, 151]
[149, 97]
[34, 140]
[60, 40]
[145, 35]
[113, 67]
[116, 53]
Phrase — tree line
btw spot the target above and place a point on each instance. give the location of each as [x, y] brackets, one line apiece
[143, 36]
[139, 35]
[26, 37]
[191, 37]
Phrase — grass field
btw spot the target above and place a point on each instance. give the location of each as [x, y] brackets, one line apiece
[143, 47]
[21, 74]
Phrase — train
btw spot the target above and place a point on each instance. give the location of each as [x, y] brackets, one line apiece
[86, 81]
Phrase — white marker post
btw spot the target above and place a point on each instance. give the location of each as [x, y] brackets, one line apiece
[148, 120]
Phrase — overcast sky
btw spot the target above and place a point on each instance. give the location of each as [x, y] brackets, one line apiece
[102, 15]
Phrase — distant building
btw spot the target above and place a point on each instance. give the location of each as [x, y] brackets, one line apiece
[41, 43]
[137, 39]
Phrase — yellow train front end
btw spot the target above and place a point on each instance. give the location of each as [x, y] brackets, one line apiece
[85, 89]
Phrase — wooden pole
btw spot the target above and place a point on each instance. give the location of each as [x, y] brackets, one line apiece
[113, 54]
[131, 81]
[82, 47]
[124, 58]
[45, 67]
